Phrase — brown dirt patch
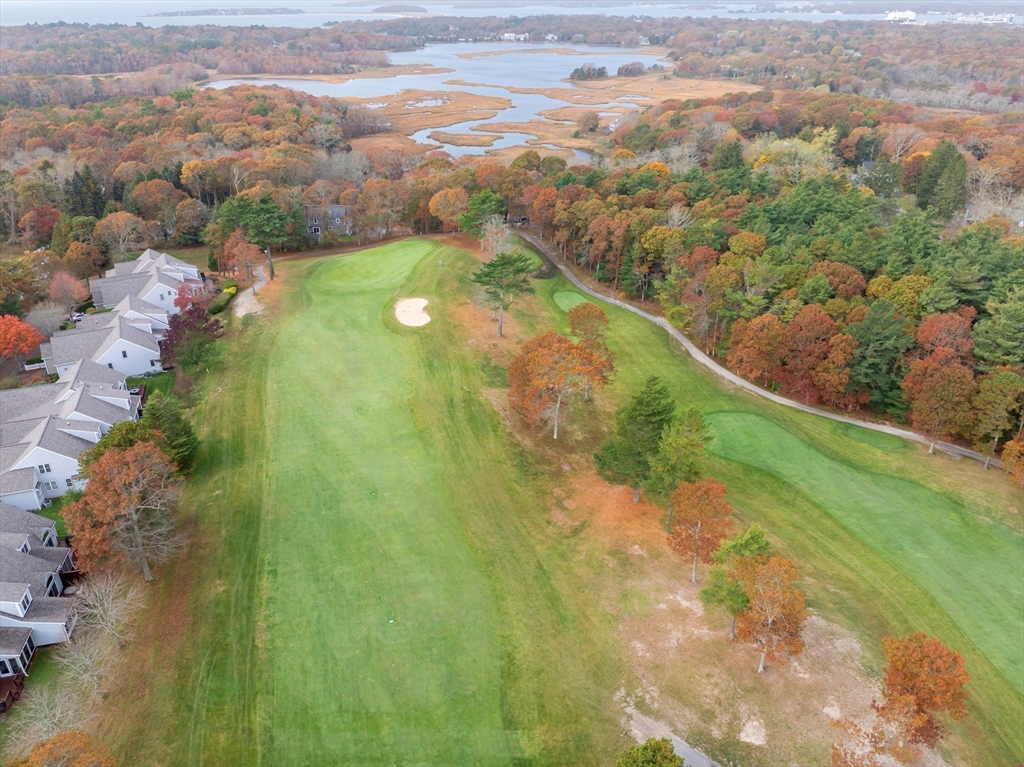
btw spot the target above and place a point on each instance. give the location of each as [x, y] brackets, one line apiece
[481, 332]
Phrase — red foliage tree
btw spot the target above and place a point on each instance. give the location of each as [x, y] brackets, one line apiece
[946, 331]
[939, 389]
[756, 348]
[806, 347]
[65, 291]
[846, 281]
[700, 520]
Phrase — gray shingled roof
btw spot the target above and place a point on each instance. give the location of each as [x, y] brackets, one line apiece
[13, 640]
[17, 481]
[12, 592]
[92, 339]
[12, 540]
[108, 291]
[18, 567]
[49, 609]
[15, 520]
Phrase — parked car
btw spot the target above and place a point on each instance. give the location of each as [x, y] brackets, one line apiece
[77, 316]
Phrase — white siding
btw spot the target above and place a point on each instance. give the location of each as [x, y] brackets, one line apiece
[29, 500]
[62, 468]
[136, 363]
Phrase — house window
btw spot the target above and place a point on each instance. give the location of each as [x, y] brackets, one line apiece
[30, 644]
[161, 296]
[316, 230]
[26, 656]
[124, 354]
[24, 548]
[44, 468]
[110, 365]
[316, 221]
[71, 482]
[25, 602]
[5, 668]
[50, 486]
[51, 587]
[337, 220]
[152, 363]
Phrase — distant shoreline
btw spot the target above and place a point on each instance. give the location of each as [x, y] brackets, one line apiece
[225, 12]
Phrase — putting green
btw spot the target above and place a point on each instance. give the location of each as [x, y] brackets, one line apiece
[934, 541]
[567, 299]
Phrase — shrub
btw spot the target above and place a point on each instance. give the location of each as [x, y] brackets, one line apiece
[229, 284]
[220, 303]
[232, 289]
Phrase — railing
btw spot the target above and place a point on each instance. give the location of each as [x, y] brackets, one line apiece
[35, 366]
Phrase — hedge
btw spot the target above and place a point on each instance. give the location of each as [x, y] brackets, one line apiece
[220, 303]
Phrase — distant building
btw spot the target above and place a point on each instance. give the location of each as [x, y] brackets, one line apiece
[514, 37]
[326, 219]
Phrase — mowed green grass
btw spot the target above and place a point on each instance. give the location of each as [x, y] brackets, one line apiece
[886, 543]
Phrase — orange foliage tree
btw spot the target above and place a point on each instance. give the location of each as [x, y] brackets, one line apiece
[1013, 461]
[946, 331]
[756, 348]
[806, 347]
[70, 748]
[241, 255]
[17, 338]
[940, 389]
[588, 322]
[448, 205]
[775, 619]
[700, 520]
[547, 371]
[127, 508]
[932, 676]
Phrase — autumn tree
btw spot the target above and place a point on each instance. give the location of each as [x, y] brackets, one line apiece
[701, 520]
[946, 330]
[85, 660]
[448, 205]
[756, 348]
[932, 676]
[190, 218]
[626, 457]
[65, 291]
[83, 260]
[1013, 461]
[127, 509]
[504, 278]
[241, 255]
[121, 232]
[998, 405]
[548, 370]
[940, 390]
[774, 621]
[588, 322]
[17, 338]
[724, 588]
[806, 347]
[189, 339]
[495, 237]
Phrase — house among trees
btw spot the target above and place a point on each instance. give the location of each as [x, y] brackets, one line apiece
[326, 219]
[34, 567]
[45, 428]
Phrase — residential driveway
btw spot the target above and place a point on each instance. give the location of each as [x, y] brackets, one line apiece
[246, 302]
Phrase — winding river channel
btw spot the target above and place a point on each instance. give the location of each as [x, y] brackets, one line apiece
[519, 65]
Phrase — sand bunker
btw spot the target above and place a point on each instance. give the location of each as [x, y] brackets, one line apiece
[409, 311]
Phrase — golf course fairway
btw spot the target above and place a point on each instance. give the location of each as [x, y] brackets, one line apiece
[375, 578]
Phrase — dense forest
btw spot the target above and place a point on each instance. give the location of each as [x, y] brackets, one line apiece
[847, 250]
